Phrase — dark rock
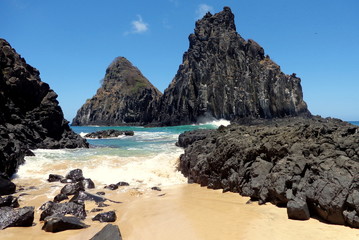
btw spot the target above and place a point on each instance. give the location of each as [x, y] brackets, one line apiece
[88, 183]
[51, 208]
[112, 186]
[58, 223]
[187, 138]
[55, 178]
[16, 217]
[105, 217]
[156, 189]
[111, 133]
[128, 96]
[30, 115]
[109, 232]
[225, 76]
[282, 161]
[121, 184]
[96, 210]
[298, 209]
[72, 188]
[6, 186]
[82, 196]
[60, 197]
[102, 204]
[65, 180]
[100, 193]
[75, 175]
[9, 201]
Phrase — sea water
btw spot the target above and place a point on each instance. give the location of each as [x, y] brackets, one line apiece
[147, 159]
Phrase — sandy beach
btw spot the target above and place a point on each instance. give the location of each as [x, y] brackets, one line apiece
[186, 211]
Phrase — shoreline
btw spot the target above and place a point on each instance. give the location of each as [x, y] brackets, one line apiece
[185, 211]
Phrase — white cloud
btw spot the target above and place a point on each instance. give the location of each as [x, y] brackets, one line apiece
[138, 26]
[203, 9]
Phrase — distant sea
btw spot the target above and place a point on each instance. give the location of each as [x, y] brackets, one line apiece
[147, 159]
[354, 122]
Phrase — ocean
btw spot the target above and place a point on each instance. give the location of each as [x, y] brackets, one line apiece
[147, 159]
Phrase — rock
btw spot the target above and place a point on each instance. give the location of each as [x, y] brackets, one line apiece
[58, 223]
[51, 208]
[125, 97]
[75, 175]
[109, 232]
[100, 193]
[18, 217]
[105, 217]
[83, 196]
[298, 209]
[55, 178]
[156, 189]
[72, 188]
[9, 201]
[283, 161]
[223, 76]
[88, 183]
[187, 138]
[121, 184]
[111, 133]
[96, 210]
[112, 186]
[60, 197]
[102, 204]
[30, 115]
[6, 186]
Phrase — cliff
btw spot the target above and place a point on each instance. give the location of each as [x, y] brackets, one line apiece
[30, 115]
[125, 97]
[224, 76]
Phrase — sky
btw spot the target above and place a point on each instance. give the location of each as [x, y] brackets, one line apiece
[72, 42]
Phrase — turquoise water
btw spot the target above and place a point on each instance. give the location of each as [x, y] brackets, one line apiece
[147, 159]
[354, 122]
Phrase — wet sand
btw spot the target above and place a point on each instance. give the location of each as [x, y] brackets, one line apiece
[185, 211]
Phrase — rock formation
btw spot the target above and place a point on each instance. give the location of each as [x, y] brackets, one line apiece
[30, 115]
[224, 76]
[309, 165]
[125, 97]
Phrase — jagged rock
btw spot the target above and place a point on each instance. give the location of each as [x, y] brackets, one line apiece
[156, 189]
[30, 115]
[105, 217]
[109, 134]
[55, 178]
[88, 183]
[75, 175]
[72, 188]
[298, 209]
[58, 223]
[51, 208]
[60, 197]
[82, 196]
[9, 201]
[108, 232]
[6, 186]
[125, 96]
[16, 217]
[96, 210]
[281, 161]
[224, 76]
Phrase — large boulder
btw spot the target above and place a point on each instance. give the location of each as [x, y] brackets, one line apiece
[58, 223]
[6, 186]
[51, 208]
[16, 217]
[311, 166]
[108, 232]
[30, 115]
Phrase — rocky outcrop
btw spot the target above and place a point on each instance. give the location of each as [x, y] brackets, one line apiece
[309, 165]
[125, 97]
[30, 115]
[225, 76]
[111, 133]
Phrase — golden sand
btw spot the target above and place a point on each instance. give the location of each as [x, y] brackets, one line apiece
[182, 212]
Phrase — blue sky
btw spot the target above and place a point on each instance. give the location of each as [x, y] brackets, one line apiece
[72, 42]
